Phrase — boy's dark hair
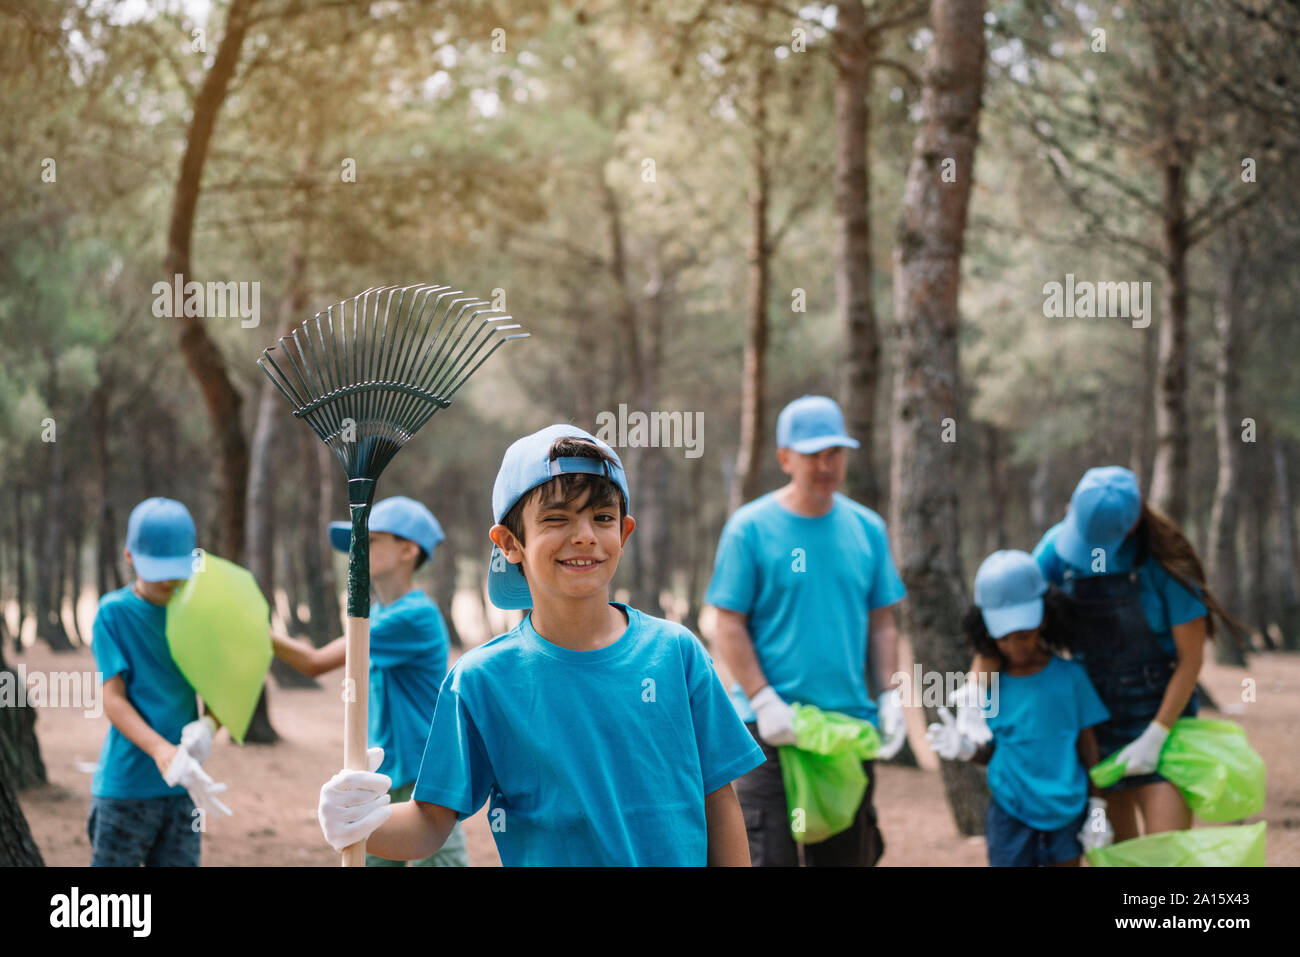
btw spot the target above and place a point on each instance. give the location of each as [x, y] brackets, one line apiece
[570, 487]
[1059, 635]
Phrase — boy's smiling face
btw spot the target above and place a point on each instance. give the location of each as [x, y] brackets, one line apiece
[572, 549]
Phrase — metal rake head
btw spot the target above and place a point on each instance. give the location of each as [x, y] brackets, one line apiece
[369, 371]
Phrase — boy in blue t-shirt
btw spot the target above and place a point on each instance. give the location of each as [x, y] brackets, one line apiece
[599, 735]
[408, 652]
[149, 794]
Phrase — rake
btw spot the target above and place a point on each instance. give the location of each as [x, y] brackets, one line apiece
[366, 374]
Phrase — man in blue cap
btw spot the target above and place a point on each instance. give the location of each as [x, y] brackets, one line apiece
[600, 735]
[149, 794]
[803, 584]
[408, 652]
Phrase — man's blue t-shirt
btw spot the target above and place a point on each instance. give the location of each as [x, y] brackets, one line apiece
[130, 640]
[1035, 774]
[808, 587]
[1165, 602]
[588, 757]
[408, 660]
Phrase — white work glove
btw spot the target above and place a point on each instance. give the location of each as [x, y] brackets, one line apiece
[970, 712]
[354, 803]
[947, 741]
[196, 738]
[893, 729]
[775, 717]
[1142, 756]
[186, 771]
[1096, 831]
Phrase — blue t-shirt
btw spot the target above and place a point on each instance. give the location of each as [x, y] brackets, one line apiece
[588, 757]
[808, 587]
[408, 660]
[130, 639]
[1035, 774]
[1165, 602]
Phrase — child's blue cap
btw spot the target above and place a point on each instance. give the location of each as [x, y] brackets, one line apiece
[526, 465]
[400, 516]
[160, 538]
[1009, 589]
[1105, 505]
[810, 424]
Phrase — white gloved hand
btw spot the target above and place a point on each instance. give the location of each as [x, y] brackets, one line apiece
[353, 804]
[969, 703]
[947, 741]
[186, 771]
[775, 717]
[893, 729]
[1142, 755]
[1096, 831]
[196, 738]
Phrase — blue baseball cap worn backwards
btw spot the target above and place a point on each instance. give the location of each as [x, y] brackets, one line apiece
[160, 538]
[400, 516]
[810, 424]
[1009, 589]
[526, 465]
[1105, 505]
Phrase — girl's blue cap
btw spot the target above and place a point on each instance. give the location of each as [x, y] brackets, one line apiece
[526, 465]
[400, 516]
[160, 538]
[1105, 505]
[1009, 589]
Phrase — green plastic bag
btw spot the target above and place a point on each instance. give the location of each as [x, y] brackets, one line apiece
[1221, 776]
[1241, 845]
[823, 776]
[219, 635]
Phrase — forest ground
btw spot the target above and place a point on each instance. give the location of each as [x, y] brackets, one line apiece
[273, 790]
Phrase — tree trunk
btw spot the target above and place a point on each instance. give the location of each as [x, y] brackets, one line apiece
[1140, 458]
[927, 273]
[108, 574]
[20, 561]
[995, 467]
[1259, 470]
[327, 481]
[753, 387]
[78, 539]
[1222, 549]
[854, 51]
[321, 628]
[1173, 439]
[17, 849]
[444, 588]
[202, 356]
[20, 752]
[49, 567]
[1289, 610]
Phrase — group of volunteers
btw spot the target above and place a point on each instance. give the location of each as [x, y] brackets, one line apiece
[598, 734]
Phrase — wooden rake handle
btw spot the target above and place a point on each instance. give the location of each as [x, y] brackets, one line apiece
[355, 712]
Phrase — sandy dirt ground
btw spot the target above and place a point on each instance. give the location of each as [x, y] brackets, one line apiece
[273, 789]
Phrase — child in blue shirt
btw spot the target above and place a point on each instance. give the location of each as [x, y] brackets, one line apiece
[599, 735]
[408, 652]
[1040, 713]
[149, 794]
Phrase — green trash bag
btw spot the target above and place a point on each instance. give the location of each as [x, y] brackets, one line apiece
[823, 776]
[1221, 776]
[219, 635]
[1240, 845]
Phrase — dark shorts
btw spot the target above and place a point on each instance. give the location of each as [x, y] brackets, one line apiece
[1013, 843]
[767, 822]
[153, 832]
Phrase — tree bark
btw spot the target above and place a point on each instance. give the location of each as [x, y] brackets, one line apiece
[17, 849]
[202, 356]
[854, 51]
[927, 273]
[1289, 605]
[20, 751]
[1169, 473]
[1222, 549]
[753, 386]
[20, 561]
[1259, 470]
[49, 566]
[326, 477]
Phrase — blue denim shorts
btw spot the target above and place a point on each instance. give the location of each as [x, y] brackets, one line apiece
[153, 832]
[1013, 843]
[1133, 696]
